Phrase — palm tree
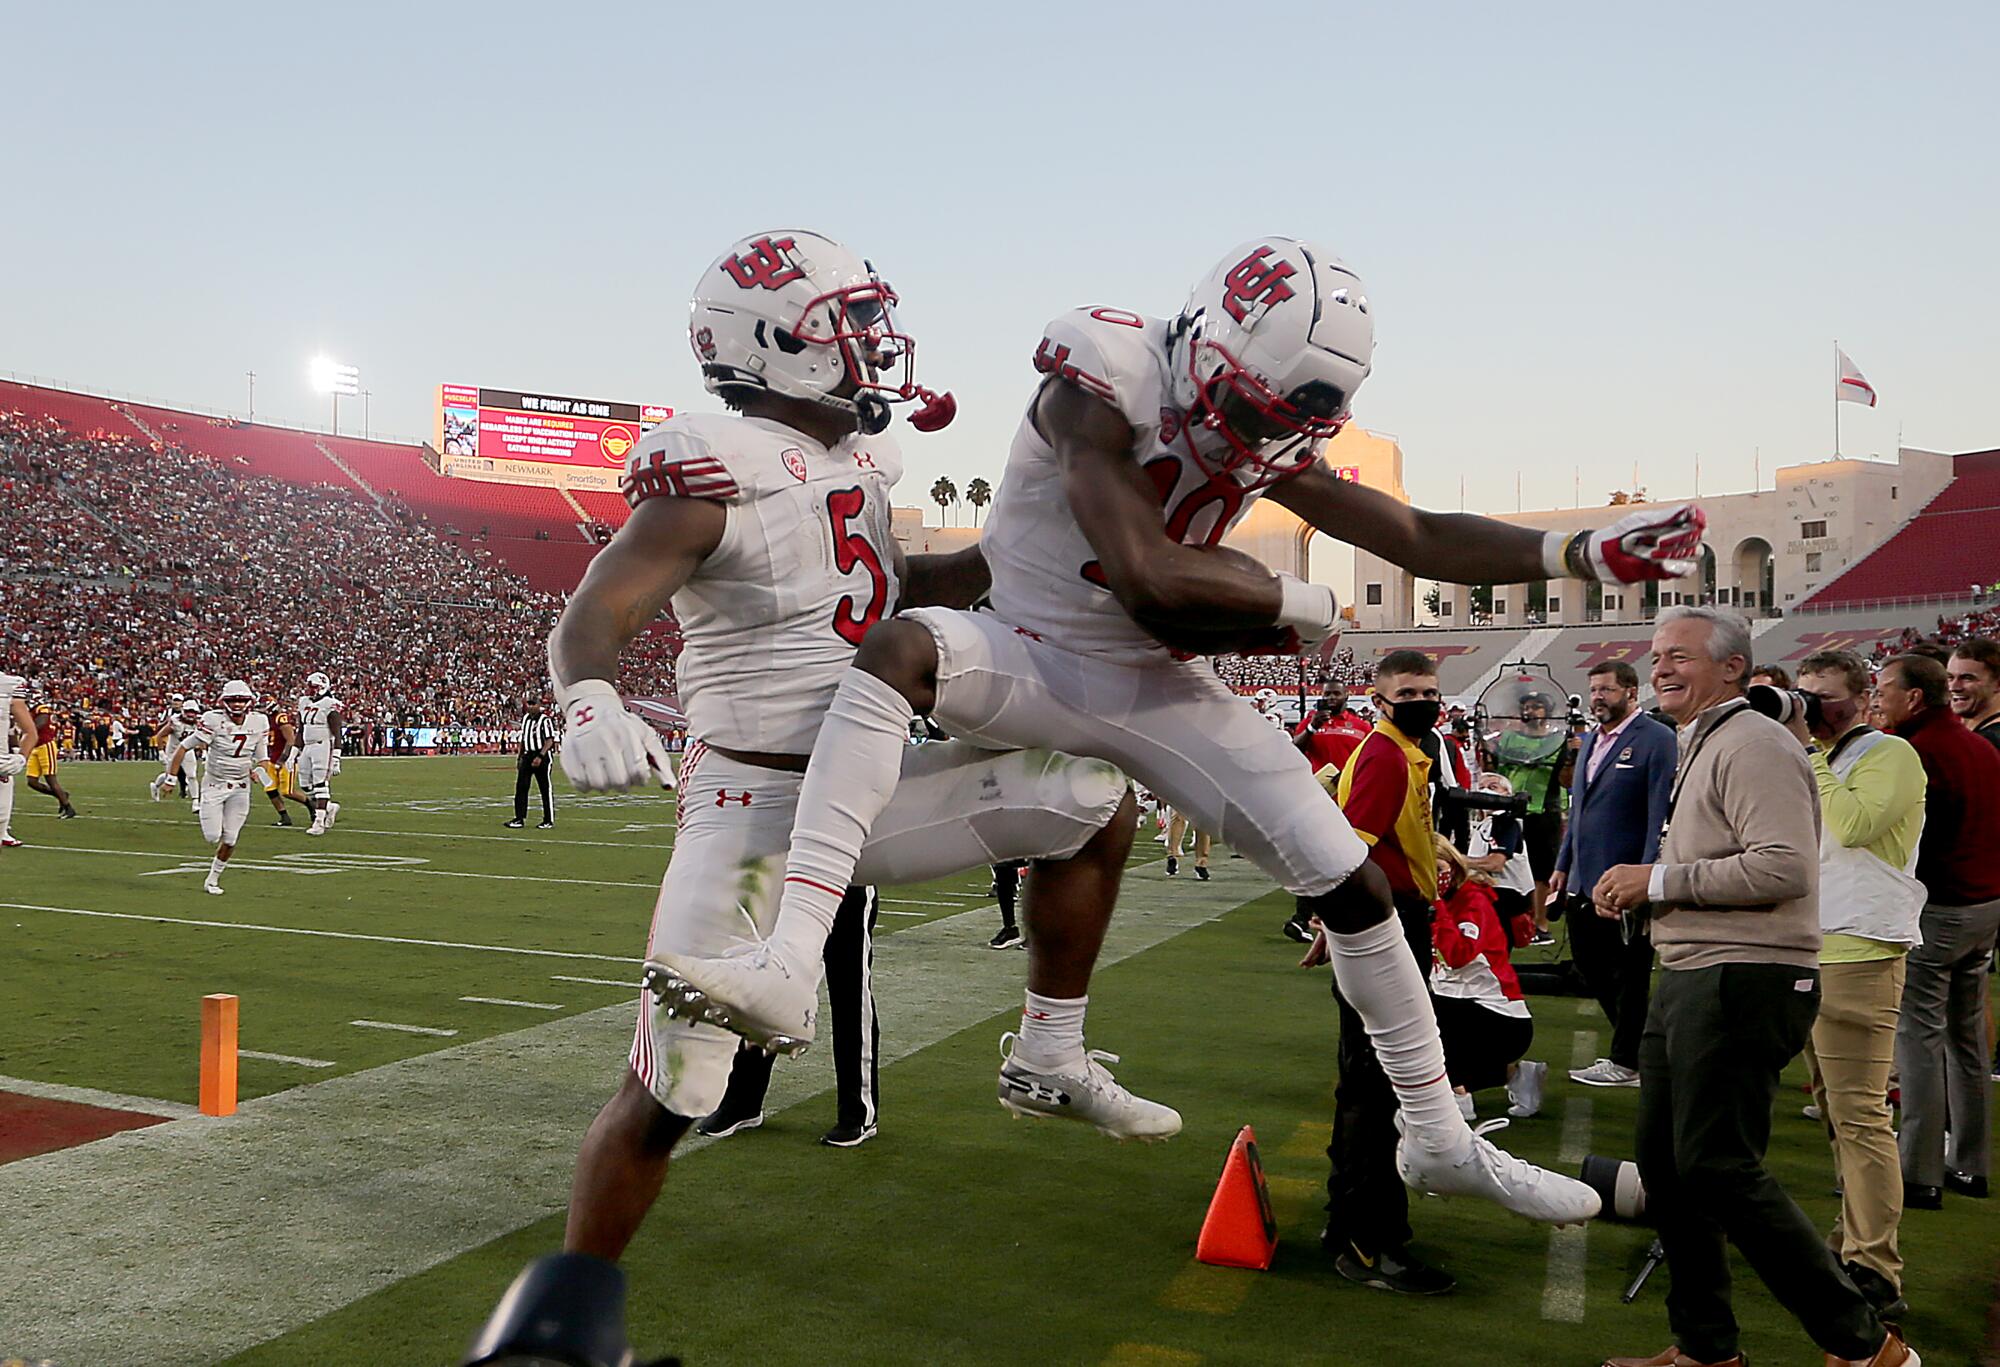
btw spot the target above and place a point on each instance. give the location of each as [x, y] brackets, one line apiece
[944, 493]
[978, 493]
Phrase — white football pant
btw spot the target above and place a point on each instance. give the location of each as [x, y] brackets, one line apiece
[956, 807]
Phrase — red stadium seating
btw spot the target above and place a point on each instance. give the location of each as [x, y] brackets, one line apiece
[79, 413]
[610, 509]
[1945, 549]
[282, 453]
[548, 566]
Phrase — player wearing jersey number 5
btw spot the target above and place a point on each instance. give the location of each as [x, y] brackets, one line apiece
[1147, 440]
[769, 534]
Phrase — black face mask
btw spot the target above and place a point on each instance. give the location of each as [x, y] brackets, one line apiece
[1414, 718]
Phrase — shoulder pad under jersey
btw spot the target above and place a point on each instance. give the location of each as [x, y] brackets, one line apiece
[1111, 353]
[703, 455]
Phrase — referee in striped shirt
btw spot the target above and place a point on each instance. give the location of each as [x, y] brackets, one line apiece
[538, 739]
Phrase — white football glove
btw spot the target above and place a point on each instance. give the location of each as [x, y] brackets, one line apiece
[1661, 543]
[11, 765]
[605, 747]
[333, 765]
[1310, 610]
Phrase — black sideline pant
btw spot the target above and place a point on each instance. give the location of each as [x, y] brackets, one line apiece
[1716, 1040]
[537, 768]
[1366, 1201]
[1618, 974]
[857, 1031]
[1480, 1044]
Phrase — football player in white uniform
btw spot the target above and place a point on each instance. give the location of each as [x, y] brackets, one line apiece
[15, 721]
[769, 532]
[174, 729]
[1146, 442]
[237, 740]
[318, 760]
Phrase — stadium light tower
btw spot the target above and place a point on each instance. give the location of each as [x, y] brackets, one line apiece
[331, 377]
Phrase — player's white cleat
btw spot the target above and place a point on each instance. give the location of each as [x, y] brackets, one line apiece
[749, 990]
[317, 828]
[1089, 1094]
[8, 842]
[332, 814]
[1473, 1167]
[212, 888]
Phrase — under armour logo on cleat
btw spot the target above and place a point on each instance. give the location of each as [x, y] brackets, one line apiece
[1035, 1091]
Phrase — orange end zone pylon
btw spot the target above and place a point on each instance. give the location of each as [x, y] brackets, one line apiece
[1240, 1230]
[218, 1055]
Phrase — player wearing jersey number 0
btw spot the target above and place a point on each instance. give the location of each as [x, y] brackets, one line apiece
[1146, 441]
[769, 534]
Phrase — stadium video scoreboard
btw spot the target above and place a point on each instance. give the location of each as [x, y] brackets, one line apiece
[515, 437]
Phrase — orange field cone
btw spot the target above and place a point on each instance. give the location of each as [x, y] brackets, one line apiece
[218, 1055]
[1239, 1230]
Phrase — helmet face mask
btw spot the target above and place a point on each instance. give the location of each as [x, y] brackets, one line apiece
[237, 699]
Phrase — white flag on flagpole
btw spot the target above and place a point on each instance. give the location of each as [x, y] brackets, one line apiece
[1852, 386]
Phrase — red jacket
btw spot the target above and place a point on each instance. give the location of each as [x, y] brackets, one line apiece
[1472, 952]
[1955, 860]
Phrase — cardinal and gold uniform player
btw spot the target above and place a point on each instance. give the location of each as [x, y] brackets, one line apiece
[277, 774]
[43, 760]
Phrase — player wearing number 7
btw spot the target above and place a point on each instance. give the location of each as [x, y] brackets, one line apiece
[1147, 440]
[769, 533]
[238, 740]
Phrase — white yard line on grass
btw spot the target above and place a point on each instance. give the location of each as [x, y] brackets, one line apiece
[292, 1059]
[508, 1001]
[595, 982]
[328, 934]
[1562, 1292]
[332, 865]
[346, 829]
[405, 1029]
[90, 1096]
[288, 1232]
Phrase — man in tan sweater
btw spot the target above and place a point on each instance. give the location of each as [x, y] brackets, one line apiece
[1734, 907]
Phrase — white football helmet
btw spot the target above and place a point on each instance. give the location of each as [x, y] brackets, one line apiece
[1266, 356]
[191, 708]
[797, 314]
[1266, 697]
[237, 699]
[318, 683]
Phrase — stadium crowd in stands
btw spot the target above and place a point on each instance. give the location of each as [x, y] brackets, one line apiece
[135, 576]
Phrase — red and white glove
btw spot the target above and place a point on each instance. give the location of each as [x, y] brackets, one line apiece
[1310, 610]
[1655, 544]
[12, 764]
[605, 748]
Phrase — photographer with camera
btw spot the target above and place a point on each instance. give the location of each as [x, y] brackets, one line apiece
[1735, 909]
[1871, 794]
[1535, 756]
[1616, 811]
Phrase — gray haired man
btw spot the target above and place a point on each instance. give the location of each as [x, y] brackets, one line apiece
[1734, 903]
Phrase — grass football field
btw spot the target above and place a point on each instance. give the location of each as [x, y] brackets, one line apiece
[380, 1186]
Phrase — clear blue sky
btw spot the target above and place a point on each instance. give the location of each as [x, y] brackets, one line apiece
[1593, 234]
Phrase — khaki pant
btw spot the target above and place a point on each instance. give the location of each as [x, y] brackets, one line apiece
[1852, 1049]
[1178, 828]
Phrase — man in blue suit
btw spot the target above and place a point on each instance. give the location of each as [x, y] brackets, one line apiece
[1618, 803]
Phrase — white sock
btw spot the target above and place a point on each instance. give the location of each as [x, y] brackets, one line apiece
[6, 806]
[1051, 1034]
[215, 868]
[856, 762]
[1380, 980]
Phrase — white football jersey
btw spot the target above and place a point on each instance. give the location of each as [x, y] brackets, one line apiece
[234, 747]
[313, 713]
[806, 565]
[12, 686]
[177, 728]
[1045, 576]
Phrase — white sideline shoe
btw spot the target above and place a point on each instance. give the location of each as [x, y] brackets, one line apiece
[1605, 1073]
[317, 828]
[1090, 1094]
[1524, 1091]
[748, 990]
[1474, 1167]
